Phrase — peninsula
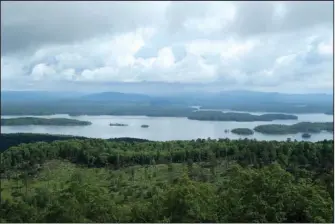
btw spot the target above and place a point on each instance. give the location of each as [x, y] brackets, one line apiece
[42, 121]
[239, 117]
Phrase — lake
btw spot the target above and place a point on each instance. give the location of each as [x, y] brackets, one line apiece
[165, 128]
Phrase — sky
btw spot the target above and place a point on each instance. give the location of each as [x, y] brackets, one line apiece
[213, 46]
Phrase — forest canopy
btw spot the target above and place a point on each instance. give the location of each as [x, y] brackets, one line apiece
[95, 180]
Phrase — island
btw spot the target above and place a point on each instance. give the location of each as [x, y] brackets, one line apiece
[42, 121]
[144, 126]
[242, 131]
[302, 127]
[306, 135]
[74, 114]
[239, 117]
[118, 124]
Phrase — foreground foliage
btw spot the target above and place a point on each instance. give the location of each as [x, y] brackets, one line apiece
[96, 180]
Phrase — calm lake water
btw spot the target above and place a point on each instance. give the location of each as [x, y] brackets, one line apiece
[165, 128]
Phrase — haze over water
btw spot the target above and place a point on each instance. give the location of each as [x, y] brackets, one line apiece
[166, 128]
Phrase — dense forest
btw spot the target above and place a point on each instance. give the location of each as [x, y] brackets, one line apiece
[242, 117]
[95, 180]
[307, 127]
[42, 121]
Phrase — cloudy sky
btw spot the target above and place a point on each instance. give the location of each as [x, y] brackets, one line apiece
[267, 46]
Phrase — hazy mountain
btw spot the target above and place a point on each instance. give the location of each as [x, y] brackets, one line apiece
[115, 96]
[227, 98]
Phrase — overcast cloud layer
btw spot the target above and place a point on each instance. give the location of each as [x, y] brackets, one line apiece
[278, 46]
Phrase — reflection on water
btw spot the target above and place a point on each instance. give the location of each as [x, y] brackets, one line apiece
[166, 128]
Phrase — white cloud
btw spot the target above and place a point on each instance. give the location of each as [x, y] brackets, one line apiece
[217, 16]
[253, 45]
[165, 58]
[227, 49]
[326, 48]
[42, 71]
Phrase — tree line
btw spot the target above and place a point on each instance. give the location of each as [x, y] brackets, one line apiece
[99, 152]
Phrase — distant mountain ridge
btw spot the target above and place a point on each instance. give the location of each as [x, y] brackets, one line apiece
[119, 96]
[252, 101]
[115, 96]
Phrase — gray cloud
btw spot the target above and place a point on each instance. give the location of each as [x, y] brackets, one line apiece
[31, 24]
[221, 44]
[266, 17]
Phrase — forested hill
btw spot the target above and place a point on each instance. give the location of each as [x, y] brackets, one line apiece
[96, 180]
